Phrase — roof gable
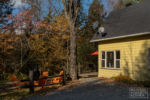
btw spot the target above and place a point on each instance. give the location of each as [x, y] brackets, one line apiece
[128, 21]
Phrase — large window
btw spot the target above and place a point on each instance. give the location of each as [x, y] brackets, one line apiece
[110, 59]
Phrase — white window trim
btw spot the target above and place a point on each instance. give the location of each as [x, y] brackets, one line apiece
[106, 60]
[115, 59]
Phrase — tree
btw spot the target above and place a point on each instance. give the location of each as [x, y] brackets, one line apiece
[71, 9]
[24, 25]
[6, 8]
[46, 47]
[8, 54]
[35, 8]
[94, 15]
[55, 41]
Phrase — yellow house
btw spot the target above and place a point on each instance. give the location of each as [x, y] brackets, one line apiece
[124, 43]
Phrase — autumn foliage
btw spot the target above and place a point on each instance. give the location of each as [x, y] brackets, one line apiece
[34, 42]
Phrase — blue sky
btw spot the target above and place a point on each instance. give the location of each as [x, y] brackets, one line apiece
[86, 3]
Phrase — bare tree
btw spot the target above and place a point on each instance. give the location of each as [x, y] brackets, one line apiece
[35, 7]
[71, 9]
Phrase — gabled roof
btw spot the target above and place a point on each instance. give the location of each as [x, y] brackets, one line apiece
[130, 21]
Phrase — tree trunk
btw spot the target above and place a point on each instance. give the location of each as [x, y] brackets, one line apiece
[31, 82]
[73, 45]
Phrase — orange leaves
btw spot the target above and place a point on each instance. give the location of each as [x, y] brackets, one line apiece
[24, 19]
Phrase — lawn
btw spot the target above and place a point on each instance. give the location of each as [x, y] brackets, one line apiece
[23, 93]
[15, 94]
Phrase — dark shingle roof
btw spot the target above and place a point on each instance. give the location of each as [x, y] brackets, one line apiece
[127, 21]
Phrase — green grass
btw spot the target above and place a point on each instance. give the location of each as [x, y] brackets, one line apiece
[19, 94]
[15, 94]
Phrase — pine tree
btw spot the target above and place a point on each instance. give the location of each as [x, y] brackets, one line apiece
[94, 15]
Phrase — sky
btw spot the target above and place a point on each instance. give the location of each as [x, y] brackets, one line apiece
[86, 3]
[17, 4]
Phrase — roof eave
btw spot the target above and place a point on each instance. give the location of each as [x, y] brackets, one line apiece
[125, 36]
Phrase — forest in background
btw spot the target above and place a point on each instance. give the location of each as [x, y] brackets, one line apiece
[28, 40]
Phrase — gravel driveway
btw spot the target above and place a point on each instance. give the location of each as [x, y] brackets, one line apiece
[90, 89]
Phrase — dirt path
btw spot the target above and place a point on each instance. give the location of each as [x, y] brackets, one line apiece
[89, 89]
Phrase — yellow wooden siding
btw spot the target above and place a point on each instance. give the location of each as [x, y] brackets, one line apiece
[134, 60]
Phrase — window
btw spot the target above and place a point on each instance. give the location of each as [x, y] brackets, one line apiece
[103, 59]
[117, 59]
[110, 59]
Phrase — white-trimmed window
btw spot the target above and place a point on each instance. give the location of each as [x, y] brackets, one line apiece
[110, 59]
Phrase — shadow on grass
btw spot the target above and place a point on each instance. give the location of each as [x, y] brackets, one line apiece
[15, 94]
[24, 93]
